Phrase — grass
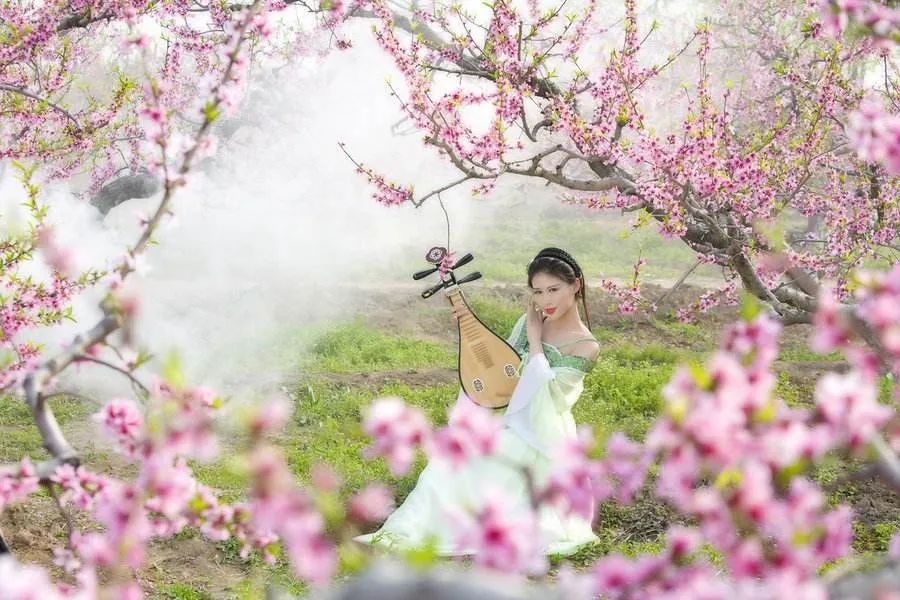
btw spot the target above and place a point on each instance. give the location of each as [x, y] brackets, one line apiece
[18, 435]
[604, 244]
[803, 353]
[622, 393]
[357, 348]
[181, 591]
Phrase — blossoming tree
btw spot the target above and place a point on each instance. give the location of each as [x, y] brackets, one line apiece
[777, 118]
[802, 133]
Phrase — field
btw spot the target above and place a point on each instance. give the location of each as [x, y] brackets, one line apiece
[401, 345]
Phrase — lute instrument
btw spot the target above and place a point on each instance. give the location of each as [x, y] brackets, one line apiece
[488, 365]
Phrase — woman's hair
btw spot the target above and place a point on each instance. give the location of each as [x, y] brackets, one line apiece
[560, 263]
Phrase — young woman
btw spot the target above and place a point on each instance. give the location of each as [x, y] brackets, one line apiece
[558, 350]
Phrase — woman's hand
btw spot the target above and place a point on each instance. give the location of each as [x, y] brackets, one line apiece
[534, 325]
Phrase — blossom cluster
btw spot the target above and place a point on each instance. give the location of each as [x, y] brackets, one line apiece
[873, 17]
[876, 135]
[629, 299]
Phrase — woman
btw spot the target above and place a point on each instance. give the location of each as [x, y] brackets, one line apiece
[558, 350]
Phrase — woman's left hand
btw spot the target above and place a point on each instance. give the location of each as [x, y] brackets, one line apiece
[534, 325]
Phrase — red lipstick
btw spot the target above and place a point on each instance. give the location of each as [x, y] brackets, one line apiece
[549, 311]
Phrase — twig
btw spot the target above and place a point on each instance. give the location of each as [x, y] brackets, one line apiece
[70, 524]
[678, 283]
[128, 374]
[56, 107]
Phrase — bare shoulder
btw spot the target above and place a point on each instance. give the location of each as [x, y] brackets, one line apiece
[587, 348]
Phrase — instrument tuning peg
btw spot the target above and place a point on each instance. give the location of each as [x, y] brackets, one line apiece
[425, 273]
[433, 290]
[470, 277]
[464, 260]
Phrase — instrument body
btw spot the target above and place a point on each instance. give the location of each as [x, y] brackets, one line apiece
[488, 365]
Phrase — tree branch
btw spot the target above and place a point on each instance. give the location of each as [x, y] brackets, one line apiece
[17, 90]
[418, 203]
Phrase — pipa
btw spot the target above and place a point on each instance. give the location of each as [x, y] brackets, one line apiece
[488, 365]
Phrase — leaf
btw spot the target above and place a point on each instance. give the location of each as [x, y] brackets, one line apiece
[728, 478]
[211, 111]
[701, 377]
[172, 372]
[750, 307]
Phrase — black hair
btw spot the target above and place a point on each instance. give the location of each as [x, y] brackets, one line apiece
[560, 263]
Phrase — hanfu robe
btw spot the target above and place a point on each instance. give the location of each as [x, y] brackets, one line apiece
[538, 420]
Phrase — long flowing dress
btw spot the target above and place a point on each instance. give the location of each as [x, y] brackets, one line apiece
[537, 420]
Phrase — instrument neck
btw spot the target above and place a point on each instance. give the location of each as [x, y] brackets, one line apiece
[456, 298]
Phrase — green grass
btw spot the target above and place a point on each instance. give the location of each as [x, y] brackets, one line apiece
[622, 393]
[645, 356]
[797, 394]
[886, 387]
[804, 354]
[181, 591]
[875, 538]
[356, 348]
[19, 436]
[327, 428]
[691, 334]
[604, 244]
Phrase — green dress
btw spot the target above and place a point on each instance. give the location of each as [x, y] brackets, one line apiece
[538, 420]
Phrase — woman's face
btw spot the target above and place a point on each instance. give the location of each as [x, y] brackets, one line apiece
[553, 295]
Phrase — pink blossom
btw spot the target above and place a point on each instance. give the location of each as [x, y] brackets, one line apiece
[849, 403]
[472, 432]
[270, 416]
[370, 505]
[627, 462]
[613, 574]
[503, 539]
[446, 263]
[682, 541]
[876, 135]
[576, 483]
[123, 420]
[397, 430]
[324, 478]
[16, 485]
[58, 257]
[313, 558]
[831, 331]
[25, 582]
[894, 546]
[171, 486]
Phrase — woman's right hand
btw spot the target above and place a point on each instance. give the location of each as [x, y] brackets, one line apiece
[534, 325]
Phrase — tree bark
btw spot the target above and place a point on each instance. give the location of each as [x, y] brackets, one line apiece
[117, 191]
